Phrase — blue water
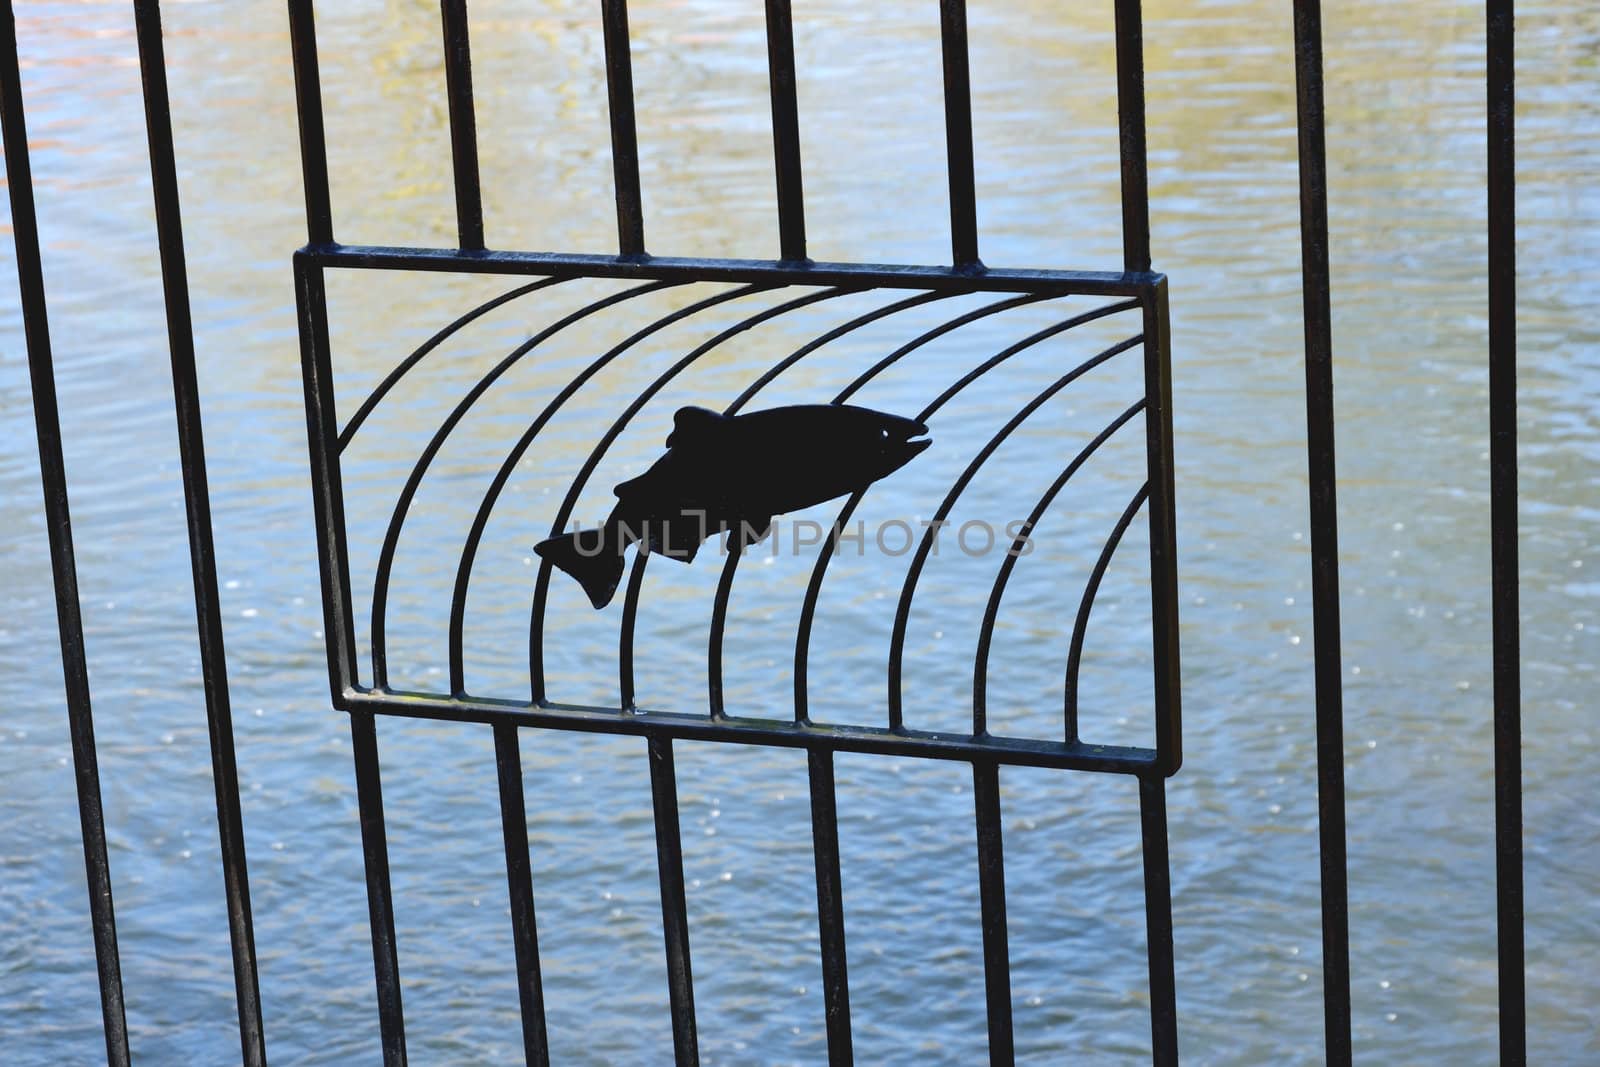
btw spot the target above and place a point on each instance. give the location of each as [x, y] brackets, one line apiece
[1405, 139]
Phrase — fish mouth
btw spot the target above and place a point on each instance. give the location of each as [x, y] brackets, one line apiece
[913, 440]
[917, 434]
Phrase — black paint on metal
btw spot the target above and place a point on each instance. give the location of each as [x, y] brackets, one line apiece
[624, 136]
[674, 910]
[519, 881]
[380, 900]
[820, 741]
[630, 613]
[1131, 136]
[641, 561]
[719, 604]
[967, 275]
[327, 491]
[725, 583]
[404, 367]
[716, 706]
[958, 135]
[1502, 188]
[402, 507]
[786, 131]
[463, 124]
[808, 607]
[308, 106]
[1324, 530]
[834, 334]
[1168, 692]
[1135, 287]
[634, 721]
[541, 589]
[58, 526]
[830, 907]
[771, 272]
[1012, 349]
[861, 380]
[497, 485]
[202, 549]
[980, 670]
[992, 902]
[902, 614]
[1158, 919]
[1080, 626]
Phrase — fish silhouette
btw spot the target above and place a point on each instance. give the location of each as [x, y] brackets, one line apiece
[733, 473]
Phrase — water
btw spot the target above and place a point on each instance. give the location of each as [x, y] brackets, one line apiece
[1406, 157]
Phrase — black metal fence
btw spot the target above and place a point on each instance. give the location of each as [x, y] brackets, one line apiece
[1132, 289]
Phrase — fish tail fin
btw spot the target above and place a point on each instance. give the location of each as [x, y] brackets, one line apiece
[586, 556]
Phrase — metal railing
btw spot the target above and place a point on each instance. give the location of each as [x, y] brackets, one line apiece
[1133, 289]
[801, 284]
[191, 444]
[1310, 112]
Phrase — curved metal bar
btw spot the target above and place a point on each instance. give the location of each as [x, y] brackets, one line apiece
[542, 584]
[980, 669]
[719, 625]
[405, 365]
[808, 608]
[630, 611]
[1081, 626]
[832, 335]
[625, 629]
[934, 334]
[902, 613]
[480, 521]
[725, 580]
[1027, 342]
[380, 589]
[719, 606]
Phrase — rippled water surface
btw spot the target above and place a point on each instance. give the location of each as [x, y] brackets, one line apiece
[1406, 150]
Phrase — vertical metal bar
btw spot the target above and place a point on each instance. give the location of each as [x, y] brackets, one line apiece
[1503, 521]
[202, 551]
[674, 909]
[463, 125]
[308, 104]
[1131, 136]
[786, 130]
[519, 878]
[958, 132]
[327, 493]
[58, 525]
[322, 424]
[1163, 529]
[1324, 530]
[1158, 919]
[380, 902]
[992, 899]
[624, 137]
[830, 907]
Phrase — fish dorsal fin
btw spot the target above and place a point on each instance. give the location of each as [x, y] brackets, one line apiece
[691, 425]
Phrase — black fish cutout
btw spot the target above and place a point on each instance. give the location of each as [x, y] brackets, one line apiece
[734, 473]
